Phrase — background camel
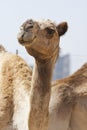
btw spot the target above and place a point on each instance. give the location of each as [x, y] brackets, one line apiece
[68, 104]
[15, 83]
[21, 108]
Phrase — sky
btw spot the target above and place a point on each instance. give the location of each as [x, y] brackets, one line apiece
[74, 12]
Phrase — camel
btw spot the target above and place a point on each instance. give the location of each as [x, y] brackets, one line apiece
[66, 105]
[15, 82]
[41, 40]
[24, 97]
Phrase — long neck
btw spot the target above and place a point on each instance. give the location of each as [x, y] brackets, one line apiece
[40, 96]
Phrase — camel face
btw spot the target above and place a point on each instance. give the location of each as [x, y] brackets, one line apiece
[28, 32]
[40, 38]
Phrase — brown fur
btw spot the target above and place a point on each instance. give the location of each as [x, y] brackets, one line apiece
[74, 84]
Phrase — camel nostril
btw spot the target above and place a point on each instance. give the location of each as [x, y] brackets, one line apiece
[28, 27]
[31, 26]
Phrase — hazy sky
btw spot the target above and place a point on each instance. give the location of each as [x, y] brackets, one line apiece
[14, 13]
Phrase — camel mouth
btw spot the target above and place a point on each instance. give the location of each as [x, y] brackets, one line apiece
[27, 42]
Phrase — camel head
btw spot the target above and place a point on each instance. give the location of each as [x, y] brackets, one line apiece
[41, 38]
[2, 49]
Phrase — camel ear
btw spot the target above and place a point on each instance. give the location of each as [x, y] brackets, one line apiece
[62, 28]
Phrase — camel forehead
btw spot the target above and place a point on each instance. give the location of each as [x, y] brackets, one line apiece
[42, 23]
[46, 23]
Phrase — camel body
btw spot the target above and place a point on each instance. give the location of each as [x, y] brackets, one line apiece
[15, 82]
[68, 104]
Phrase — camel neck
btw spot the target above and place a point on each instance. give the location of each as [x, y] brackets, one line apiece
[40, 96]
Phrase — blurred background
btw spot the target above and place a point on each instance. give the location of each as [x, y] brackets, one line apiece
[73, 44]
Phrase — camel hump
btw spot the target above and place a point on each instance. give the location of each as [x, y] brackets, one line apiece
[2, 49]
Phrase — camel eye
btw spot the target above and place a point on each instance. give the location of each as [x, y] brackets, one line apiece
[50, 31]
